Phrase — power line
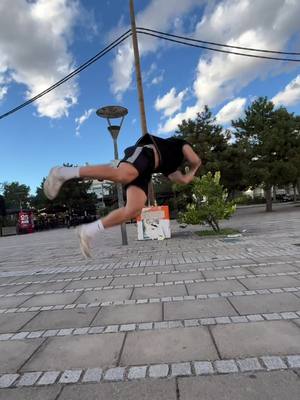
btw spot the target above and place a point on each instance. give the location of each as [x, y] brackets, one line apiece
[213, 49]
[218, 44]
[99, 55]
[160, 35]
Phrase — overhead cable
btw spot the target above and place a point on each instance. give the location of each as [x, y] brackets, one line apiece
[218, 44]
[187, 43]
[99, 55]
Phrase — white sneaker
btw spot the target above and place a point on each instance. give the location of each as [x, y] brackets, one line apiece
[53, 183]
[84, 241]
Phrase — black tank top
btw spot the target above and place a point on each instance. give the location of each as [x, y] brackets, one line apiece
[170, 149]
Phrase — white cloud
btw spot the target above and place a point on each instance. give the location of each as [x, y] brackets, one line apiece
[157, 79]
[290, 95]
[82, 119]
[266, 24]
[170, 102]
[158, 15]
[231, 111]
[171, 124]
[34, 39]
[3, 91]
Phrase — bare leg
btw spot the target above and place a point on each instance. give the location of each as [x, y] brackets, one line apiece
[125, 173]
[136, 199]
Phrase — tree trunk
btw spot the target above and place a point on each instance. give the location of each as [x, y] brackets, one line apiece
[268, 196]
[211, 223]
[295, 193]
[216, 225]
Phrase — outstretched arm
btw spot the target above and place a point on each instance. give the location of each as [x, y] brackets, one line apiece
[194, 163]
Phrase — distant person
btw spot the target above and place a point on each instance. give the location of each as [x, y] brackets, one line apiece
[150, 154]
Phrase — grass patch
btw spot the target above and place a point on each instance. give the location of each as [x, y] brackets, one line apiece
[223, 232]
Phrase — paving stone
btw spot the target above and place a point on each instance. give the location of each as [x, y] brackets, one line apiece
[127, 327]
[249, 364]
[198, 309]
[92, 375]
[6, 336]
[129, 313]
[111, 329]
[31, 393]
[289, 315]
[272, 316]
[293, 361]
[114, 374]
[62, 319]
[36, 287]
[158, 292]
[134, 390]
[225, 272]
[7, 380]
[72, 352]
[70, 376]
[11, 302]
[51, 332]
[158, 346]
[255, 317]
[268, 303]
[134, 280]
[29, 379]
[284, 267]
[12, 289]
[145, 326]
[239, 319]
[203, 367]
[127, 271]
[270, 282]
[89, 283]
[213, 287]
[137, 372]
[256, 338]
[181, 276]
[181, 369]
[274, 362]
[158, 371]
[191, 322]
[34, 335]
[48, 378]
[51, 299]
[96, 330]
[276, 385]
[15, 353]
[104, 295]
[81, 331]
[226, 366]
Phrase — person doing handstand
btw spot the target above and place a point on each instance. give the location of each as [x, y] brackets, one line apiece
[150, 154]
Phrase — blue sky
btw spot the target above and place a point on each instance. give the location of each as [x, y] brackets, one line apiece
[43, 40]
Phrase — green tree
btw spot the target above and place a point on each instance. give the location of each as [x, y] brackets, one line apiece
[271, 143]
[212, 143]
[209, 204]
[16, 195]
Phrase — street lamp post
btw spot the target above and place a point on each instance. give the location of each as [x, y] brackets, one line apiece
[111, 112]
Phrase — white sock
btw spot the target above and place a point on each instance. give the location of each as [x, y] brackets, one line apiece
[69, 172]
[93, 228]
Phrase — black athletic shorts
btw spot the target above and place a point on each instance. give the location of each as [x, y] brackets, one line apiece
[142, 158]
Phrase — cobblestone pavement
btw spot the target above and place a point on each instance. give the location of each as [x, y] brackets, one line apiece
[185, 318]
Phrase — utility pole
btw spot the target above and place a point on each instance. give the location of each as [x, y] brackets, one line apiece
[138, 69]
[139, 83]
